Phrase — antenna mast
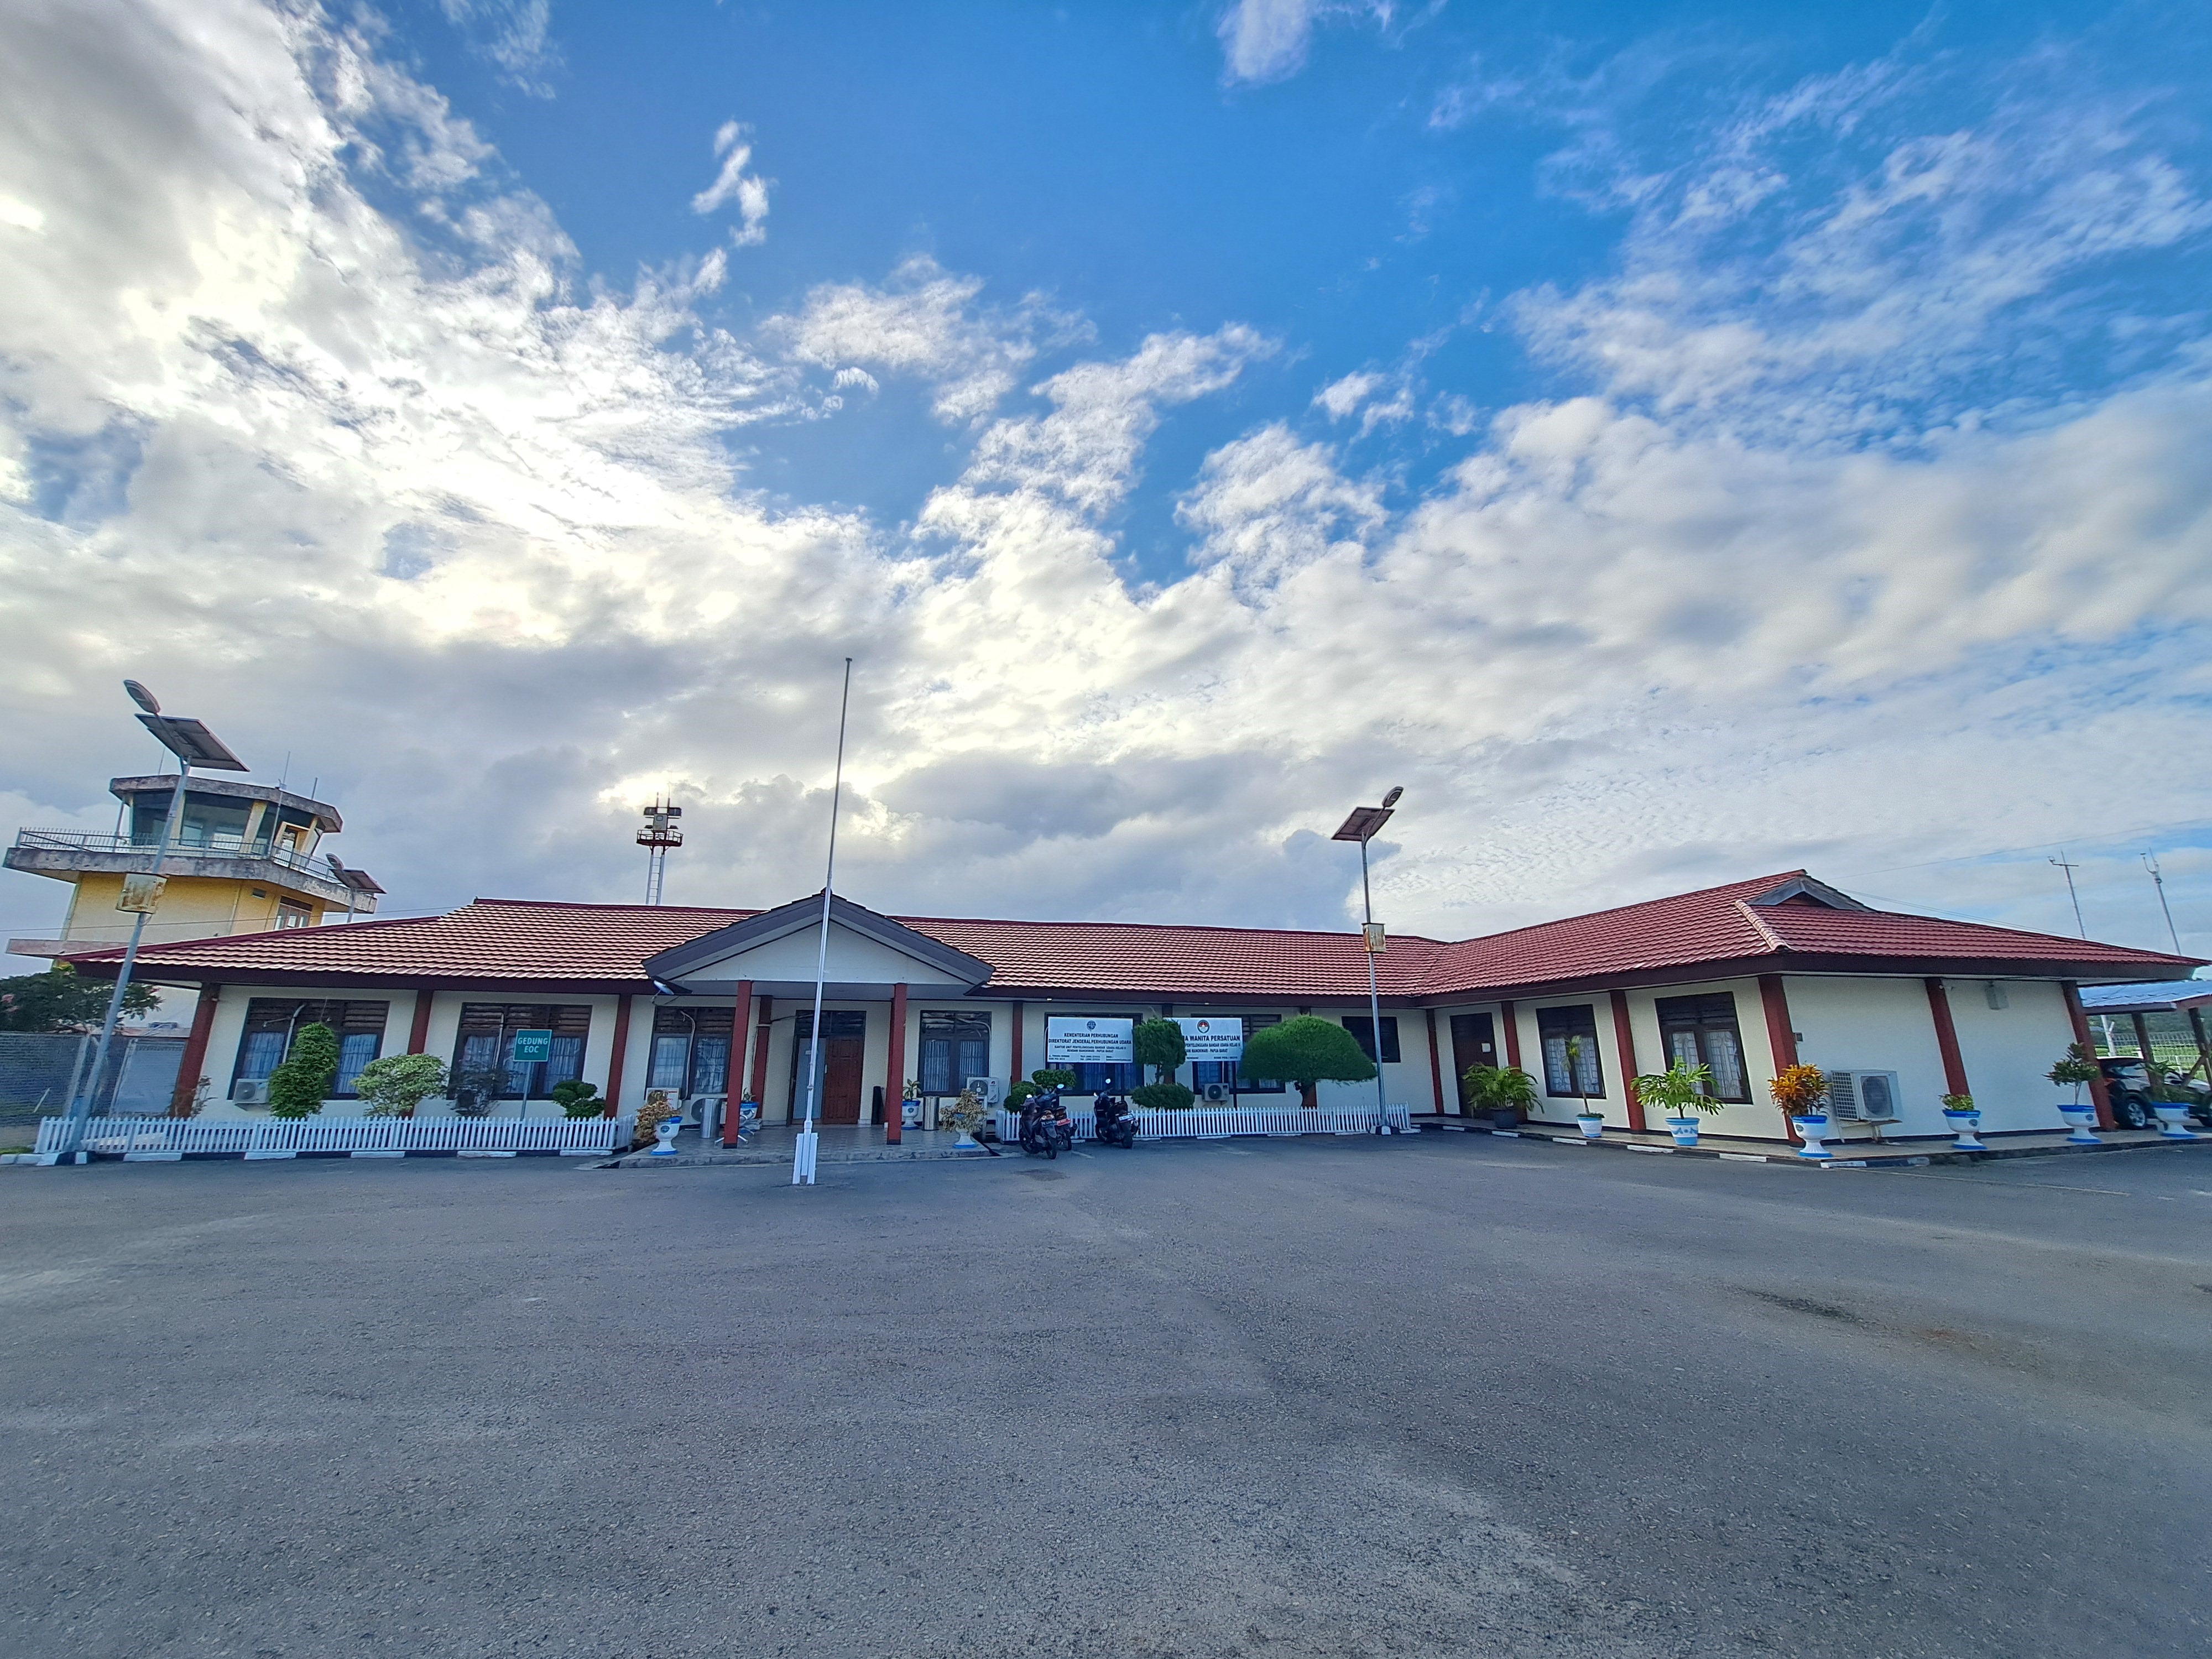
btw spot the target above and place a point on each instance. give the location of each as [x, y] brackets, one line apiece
[2080, 926]
[658, 835]
[802, 1163]
[2158, 880]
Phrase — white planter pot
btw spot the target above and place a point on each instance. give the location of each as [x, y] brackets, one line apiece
[1810, 1130]
[2174, 1122]
[910, 1114]
[2081, 1121]
[664, 1132]
[1684, 1129]
[1965, 1126]
[1593, 1127]
[967, 1143]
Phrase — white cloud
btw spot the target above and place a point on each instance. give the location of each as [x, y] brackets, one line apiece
[925, 323]
[515, 35]
[1340, 397]
[1264, 40]
[734, 184]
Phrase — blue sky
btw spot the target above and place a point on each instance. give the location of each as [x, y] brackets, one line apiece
[1675, 442]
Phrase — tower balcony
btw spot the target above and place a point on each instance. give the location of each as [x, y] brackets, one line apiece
[67, 854]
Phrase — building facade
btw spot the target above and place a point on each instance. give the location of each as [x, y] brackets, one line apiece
[1744, 979]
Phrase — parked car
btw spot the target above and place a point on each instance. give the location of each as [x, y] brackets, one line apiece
[2127, 1086]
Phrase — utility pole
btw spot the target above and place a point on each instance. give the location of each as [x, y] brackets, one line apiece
[1361, 827]
[2080, 926]
[809, 1143]
[2158, 880]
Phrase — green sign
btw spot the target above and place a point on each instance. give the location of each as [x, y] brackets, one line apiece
[532, 1046]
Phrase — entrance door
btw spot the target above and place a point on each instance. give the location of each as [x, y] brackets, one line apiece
[1475, 1042]
[844, 1040]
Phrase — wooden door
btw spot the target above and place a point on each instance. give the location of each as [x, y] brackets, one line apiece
[1475, 1042]
[840, 1079]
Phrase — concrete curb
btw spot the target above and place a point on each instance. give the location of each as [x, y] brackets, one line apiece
[1897, 1159]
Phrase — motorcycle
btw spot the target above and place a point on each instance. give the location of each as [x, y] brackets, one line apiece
[1115, 1126]
[1046, 1129]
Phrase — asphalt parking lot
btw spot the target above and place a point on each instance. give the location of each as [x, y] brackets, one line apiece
[1459, 1396]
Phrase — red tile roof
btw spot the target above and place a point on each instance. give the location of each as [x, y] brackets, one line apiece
[605, 946]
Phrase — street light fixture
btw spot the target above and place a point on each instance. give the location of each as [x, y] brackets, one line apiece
[193, 745]
[1362, 826]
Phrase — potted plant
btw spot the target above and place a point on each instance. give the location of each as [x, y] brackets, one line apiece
[910, 1103]
[2077, 1067]
[1681, 1094]
[1966, 1120]
[1506, 1092]
[300, 1084]
[1306, 1050]
[1158, 1044]
[651, 1115]
[2173, 1101]
[967, 1115]
[1593, 1123]
[397, 1084]
[1801, 1093]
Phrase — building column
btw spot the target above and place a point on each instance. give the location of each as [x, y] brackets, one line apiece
[617, 1051]
[1947, 1040]
[741, 1033]
[418, 1028]
[196, 1047]
[2081, 1023]
[1018, 1072]
[764, 1028]
[1780, 1038]
[2203, 1042]
[1436, 1062]
[894, 1070]
[1512, 1034]
[1624, 1040]
[2142, 1039]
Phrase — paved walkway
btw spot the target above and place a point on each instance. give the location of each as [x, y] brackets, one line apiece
[842, 1143]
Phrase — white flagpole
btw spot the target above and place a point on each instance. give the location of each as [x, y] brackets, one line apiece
[802, 1163]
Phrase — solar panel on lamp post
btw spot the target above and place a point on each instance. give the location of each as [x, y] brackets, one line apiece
[193, 745]
[1361, 827]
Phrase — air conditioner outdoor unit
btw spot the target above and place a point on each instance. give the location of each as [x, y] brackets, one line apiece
[250, 1092]
[988, 1090]
[1863, 1097]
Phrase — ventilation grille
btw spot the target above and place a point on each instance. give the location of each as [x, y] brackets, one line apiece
[1863, 1097]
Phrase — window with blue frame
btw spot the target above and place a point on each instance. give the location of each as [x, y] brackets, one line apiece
[484, 1053]
[271, 1022]
[955, 1047]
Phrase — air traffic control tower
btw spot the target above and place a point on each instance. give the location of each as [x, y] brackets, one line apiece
[244, 860]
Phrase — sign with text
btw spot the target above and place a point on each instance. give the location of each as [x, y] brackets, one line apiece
[1213, 1038]
[1080, 1040]
[532, 1046]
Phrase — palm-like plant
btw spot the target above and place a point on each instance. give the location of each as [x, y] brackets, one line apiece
[1500, 1089]
[1680, 1092]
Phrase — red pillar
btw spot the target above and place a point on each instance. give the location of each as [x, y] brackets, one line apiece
[1623, 1040]
[894, 1070]
[1018, 1073]
[760, 1052]
[1512, 1033]
[2081, 1035]
[741, 1030]
[616, 1050]
[418, 1028]
[1780, 1036]
[196, 1047]
[1436, 1062]
[1947, 1040]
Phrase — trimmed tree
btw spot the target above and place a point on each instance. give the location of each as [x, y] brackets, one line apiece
[298, 1087]
[1307, 1051]
[1158, 1044]
[396, 1085]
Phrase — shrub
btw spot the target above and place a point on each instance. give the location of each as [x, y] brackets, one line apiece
[475, 1090]
[1958, 1103]
[1306, 1050]
[1799, 1091]
[969, 1113]
[1163, 1097]
[298, 1087]
[579, 1099]
[655, 1108]
[396, 1085]
[2077, 1068]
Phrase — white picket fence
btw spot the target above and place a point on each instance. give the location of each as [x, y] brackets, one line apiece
[152, 1140]
[1218, 1122]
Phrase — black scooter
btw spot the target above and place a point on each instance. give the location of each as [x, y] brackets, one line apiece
[1046, 1130]
[1115, 1125]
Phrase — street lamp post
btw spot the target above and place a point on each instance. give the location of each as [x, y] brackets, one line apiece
[193, 745]
[1361, 827]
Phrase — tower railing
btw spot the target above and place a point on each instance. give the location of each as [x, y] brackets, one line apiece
[218, 846]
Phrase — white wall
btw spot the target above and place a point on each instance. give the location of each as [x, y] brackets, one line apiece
[2007, 1050]
[1874, 1025]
